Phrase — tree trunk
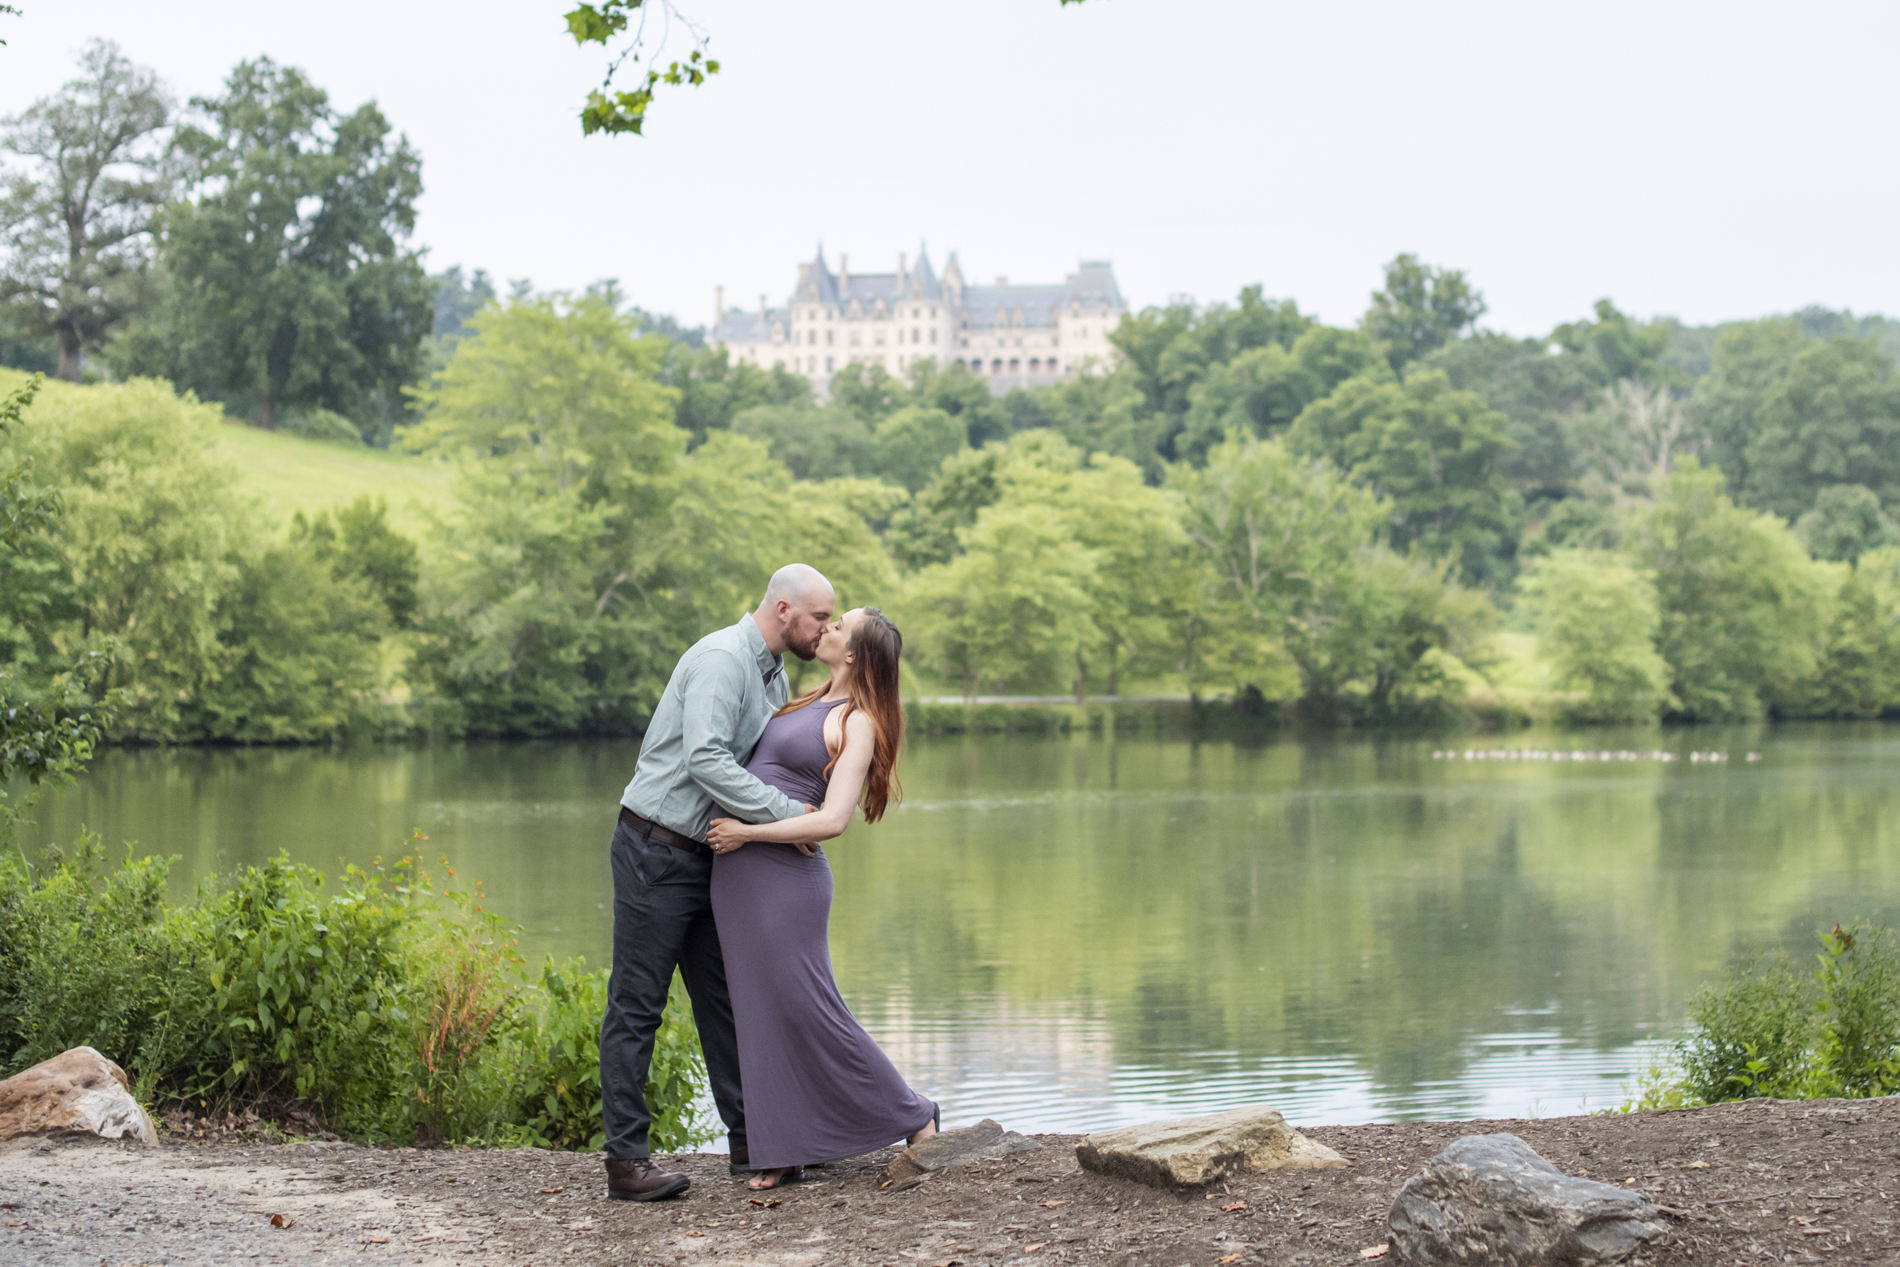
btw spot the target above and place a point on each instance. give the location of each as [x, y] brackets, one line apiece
[267, 414]
[1081, 680]
[68, 355]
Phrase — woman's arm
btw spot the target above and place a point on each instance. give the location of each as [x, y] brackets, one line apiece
[830, 820]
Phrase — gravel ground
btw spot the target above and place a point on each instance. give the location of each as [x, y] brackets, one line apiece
[1762, 1182]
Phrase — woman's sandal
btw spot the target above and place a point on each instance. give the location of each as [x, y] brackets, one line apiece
[791, 1174]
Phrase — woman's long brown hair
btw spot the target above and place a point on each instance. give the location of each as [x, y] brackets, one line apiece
[876, 647]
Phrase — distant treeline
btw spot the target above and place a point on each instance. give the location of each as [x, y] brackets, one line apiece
[1411, 520]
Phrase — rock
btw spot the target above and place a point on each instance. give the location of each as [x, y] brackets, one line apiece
[986, 1141]
[78, 1091]
[1491, 1199]
[1200, 1150]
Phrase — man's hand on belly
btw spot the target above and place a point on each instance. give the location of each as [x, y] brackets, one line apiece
[808, 848]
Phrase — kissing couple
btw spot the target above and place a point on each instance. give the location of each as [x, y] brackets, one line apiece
[718, 872]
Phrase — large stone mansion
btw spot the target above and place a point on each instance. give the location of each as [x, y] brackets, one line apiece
[1015, 336]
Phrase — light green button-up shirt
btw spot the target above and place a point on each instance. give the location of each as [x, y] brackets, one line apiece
[709, 719]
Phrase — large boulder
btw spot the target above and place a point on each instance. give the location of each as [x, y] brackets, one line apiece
[1491, 1199]
[1200, 1150]
[77, 1091]
[986, 1141]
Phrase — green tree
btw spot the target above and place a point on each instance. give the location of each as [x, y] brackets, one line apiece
[1302, 579]
[148, 541]
[297, 649]
[1264, 389]
[49, 734]
[1748, 359]
[1625, 349]
[78, 222]
[1167, 352]
[1742, 606]
[587, 548]
[1846, 522]
[1833, 417]
[870, 392]
[815, 441]
[288, 283]
[552, 602]
[1143, 587]
[1434, 453]
[714, 390]
[213, 629]
[1858, 673]
[356, 541]
[1597, 619]
[1133, 532]
[1013, 609]
[962, 394]
[912, 443]
[1098, 413]
[925, 531]
[1421, 308]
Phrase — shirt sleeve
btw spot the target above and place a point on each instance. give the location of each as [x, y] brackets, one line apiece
[710, 704]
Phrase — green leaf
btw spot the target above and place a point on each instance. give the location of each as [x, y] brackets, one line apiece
[589, 25]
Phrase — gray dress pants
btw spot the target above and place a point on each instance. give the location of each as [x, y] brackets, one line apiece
[662, 919]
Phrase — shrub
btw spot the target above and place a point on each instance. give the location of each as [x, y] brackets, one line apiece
[1752, 1034]
[561, 1097]
[1858, 980]
[85, 959]
[386, 1009]
[1765, 1031]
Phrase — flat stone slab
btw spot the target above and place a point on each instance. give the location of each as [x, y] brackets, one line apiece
[1199, 1150]
[986, 1141]
[1490, 1199]
[76, 1091]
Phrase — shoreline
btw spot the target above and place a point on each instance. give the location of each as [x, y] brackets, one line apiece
[1745, 1182]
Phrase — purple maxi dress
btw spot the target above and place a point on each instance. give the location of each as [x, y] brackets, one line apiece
[817, 1088]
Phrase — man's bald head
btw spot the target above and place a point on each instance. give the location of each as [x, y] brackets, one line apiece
[794, 582]
[796, 607]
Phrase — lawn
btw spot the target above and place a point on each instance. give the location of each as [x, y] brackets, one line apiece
[291, 473]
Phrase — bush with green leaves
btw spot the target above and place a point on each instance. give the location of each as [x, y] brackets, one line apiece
[390, 1006]
[1765, 1030]
[560, 1099]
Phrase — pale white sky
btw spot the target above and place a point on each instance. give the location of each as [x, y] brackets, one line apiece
[1705, 160]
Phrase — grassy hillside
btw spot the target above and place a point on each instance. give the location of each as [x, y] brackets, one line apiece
[291, 473]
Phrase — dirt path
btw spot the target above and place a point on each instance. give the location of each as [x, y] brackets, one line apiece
[1746, 1183]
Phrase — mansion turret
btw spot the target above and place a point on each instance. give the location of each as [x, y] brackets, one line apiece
[1015, 336]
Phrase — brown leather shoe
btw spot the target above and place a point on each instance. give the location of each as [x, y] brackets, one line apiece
[638, 1179]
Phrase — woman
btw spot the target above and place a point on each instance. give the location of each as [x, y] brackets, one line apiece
[816, 1086]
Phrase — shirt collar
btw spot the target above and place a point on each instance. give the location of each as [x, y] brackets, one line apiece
[769, 664]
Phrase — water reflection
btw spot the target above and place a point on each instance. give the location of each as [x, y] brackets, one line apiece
[1069, 934]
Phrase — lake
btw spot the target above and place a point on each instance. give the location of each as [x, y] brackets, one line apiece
[1071, 933]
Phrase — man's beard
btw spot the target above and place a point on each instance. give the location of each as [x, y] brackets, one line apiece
[805, 651]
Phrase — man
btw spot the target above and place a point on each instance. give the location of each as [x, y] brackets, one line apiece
[709, 719]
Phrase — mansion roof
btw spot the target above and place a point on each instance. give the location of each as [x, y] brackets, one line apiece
[1091, 286]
